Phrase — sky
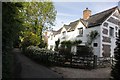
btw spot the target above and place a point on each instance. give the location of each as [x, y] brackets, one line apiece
[70, 11]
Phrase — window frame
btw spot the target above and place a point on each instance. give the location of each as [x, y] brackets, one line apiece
[105, 24]
[80, 31]
[95, 45]
[111, 31]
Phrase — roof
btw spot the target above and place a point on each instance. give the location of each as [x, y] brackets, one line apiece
[57, 32]
[94, 20]
[73, 25]
[99, 18]
[54, 32]
[66, 27]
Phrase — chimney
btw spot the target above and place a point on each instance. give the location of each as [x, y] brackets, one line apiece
[86, 14]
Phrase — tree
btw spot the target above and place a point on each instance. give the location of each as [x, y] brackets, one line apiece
[11, 23]
[30, 39]
[92, 36]
[115, 73]
[38, 16]
[24, 20]
[57, 44]
[11, 26]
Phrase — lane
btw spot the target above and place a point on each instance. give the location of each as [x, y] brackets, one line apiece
[82, 73]
[30, 69]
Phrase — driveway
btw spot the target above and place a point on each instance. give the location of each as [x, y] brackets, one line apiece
[82, 73]
[26, 68]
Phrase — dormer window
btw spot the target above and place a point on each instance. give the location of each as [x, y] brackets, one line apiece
[80, 31]
[64, 32]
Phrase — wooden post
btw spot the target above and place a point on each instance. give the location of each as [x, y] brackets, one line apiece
[71, 60]
[95, 61]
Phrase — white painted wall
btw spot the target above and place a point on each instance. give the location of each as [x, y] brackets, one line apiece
[73, 36]
[51, 42]
[113, 39]
[97, 40]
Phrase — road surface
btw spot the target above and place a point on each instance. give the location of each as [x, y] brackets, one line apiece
[26, 68]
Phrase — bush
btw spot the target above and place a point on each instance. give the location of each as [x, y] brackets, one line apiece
[76, 42]
[115, 73]
[41, 55]
[43, 44]
[84, 51]
[57, 44]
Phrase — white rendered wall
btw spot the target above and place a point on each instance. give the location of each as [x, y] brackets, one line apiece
[113, 39]
[97, 40]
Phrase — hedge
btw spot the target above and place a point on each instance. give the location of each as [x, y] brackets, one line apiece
[41, 55]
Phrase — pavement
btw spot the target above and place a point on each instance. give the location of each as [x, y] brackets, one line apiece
[29, 69]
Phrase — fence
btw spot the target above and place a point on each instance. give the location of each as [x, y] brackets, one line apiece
[89, 62]
[84, 61]
[75, 61]
[51, 58]
[105, 61]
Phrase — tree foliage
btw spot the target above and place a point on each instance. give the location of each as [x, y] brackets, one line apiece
[37, 16]
[11, 23]
[116, 68]
[69, 43]
[30, 39]
[92, 36]
[57, 44]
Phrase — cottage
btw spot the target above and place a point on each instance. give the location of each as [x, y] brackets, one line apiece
[106, 23]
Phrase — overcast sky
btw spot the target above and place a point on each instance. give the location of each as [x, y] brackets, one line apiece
[71, 11]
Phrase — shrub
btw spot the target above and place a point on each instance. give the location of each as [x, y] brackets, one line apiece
[92, 36]
[84, 51]
[115, 73]
[76, 42]
[66, 47]
[43, 44]
[41, 55]
[57, 44]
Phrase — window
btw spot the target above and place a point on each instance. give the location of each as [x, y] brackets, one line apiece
[80, 31]
[116, 28]
[111, 31]
[64, 32]
[51, 37]
[116, 34]
[95, 44]
[105, 24]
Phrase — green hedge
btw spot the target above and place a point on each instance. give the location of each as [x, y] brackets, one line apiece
[41, 55]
